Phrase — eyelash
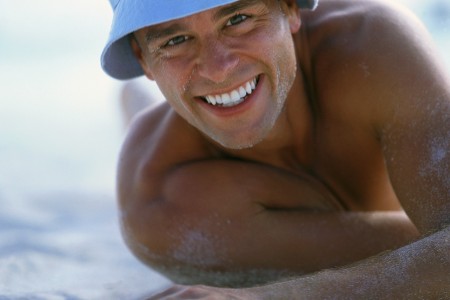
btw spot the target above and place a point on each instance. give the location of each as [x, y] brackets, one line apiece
[241, 16]
[172, 42]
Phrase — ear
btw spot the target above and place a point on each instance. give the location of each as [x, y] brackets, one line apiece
[140, 56]
[292, 12]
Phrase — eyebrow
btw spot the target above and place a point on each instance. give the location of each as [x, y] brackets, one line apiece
[233, 8]
[161, 31]
[155, 33]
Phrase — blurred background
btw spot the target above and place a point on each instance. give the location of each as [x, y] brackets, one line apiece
[60, 132]
[61, 128]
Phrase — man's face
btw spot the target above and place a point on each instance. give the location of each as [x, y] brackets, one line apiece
[228, 70]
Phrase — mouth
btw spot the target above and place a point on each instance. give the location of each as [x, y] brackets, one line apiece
[234, 97]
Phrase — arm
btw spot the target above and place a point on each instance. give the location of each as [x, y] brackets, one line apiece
[416, 271]
[200, 219]
[414, 130]
[412, 109]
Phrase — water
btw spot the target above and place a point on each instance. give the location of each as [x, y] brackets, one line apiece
[61, 129]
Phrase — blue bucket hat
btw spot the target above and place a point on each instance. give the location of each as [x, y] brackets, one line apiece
[118, 59]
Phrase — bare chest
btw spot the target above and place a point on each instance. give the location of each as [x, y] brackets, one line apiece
[349, 160]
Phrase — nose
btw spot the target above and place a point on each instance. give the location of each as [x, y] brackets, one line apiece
[216, 61]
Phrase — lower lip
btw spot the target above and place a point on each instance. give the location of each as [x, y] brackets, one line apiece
[224, 111]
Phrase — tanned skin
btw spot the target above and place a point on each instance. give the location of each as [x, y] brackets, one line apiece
[339, 154]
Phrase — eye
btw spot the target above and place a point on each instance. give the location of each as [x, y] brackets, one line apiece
[177, 40]
[236, 19]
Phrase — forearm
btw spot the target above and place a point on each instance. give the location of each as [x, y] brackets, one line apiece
[420, 270]
[294, 244]
[241, 217]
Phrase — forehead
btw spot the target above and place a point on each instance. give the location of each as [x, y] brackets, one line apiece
[215, 14]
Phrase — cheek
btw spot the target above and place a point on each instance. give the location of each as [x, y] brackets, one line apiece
[273, 44]
[281, 64]
[172, 81]
[175, 91]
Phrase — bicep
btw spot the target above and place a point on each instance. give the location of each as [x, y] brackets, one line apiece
[198, 192]
[211, 213]
[418, 161]
[238, 217]
[238, 183]
[415, 127]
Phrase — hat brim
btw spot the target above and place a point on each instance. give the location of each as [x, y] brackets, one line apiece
[118, 59]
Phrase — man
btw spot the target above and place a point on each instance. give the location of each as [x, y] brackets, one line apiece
[292, 141]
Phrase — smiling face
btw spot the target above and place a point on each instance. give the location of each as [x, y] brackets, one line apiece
[228, 70]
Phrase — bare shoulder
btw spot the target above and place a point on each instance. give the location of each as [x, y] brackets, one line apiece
[341, 23]
[375, 66]
[157, 141]
[365, 53]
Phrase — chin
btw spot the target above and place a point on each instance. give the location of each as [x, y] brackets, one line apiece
[238, 144]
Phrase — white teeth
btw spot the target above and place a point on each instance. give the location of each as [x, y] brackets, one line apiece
[226, 98]
[211, 99]
[234, 103]
[242, 92]
[234, 97]
[248, 88]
